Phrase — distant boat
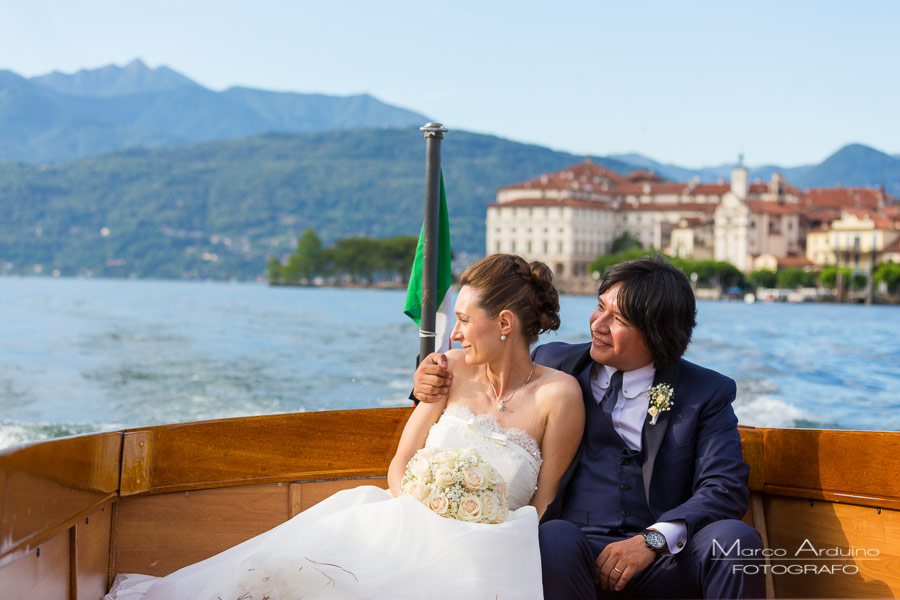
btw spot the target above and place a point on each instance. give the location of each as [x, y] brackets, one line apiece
[79, 510]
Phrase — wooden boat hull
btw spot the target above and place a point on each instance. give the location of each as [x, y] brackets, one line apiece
[77, 511]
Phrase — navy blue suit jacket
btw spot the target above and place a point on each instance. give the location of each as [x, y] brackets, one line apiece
[693, 465]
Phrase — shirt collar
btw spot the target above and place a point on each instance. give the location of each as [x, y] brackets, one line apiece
[634, 383]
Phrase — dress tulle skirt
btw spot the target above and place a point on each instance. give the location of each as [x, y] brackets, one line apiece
[361, 543]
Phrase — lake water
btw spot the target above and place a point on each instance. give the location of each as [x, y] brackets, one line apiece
[81, 355]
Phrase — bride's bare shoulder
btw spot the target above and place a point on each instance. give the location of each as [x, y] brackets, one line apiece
[559, 389]
[456, 362]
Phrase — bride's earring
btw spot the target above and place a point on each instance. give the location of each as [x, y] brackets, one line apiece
[502, 337]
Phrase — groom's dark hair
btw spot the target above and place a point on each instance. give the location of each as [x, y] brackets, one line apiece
[656, 297]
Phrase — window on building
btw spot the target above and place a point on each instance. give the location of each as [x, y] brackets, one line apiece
[497, 248]
[529, 246]
[546, 247]
[560, 247]
[512, 246]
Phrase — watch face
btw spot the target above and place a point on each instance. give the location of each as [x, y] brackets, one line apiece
[655, 540]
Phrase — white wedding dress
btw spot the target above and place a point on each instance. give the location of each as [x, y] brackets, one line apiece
[362, 543]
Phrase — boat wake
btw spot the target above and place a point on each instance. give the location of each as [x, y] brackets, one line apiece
[763, 410]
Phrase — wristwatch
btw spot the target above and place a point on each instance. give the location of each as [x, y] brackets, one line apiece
[654, 540]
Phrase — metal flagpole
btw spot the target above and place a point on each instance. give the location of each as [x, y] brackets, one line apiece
[434, 133]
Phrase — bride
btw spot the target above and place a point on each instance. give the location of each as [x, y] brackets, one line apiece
[523, 419]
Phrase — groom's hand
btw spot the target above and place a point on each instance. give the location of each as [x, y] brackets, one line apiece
[620, 561]
[432, 380]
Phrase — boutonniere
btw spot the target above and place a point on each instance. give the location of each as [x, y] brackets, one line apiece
[661, 396]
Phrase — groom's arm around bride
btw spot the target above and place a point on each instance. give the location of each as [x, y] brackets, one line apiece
[659, 475]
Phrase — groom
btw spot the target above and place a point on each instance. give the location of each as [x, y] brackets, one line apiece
[656, 489]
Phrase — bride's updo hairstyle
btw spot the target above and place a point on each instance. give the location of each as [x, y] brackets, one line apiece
[507, 282]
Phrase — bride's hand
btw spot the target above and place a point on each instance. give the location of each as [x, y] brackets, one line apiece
[432, 379]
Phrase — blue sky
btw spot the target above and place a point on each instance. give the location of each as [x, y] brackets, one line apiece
[694, 83]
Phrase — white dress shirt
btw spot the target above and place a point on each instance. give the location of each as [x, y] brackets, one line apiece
[628, 417]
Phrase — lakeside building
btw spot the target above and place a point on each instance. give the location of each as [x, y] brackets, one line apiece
[858, 239]
[569, 218]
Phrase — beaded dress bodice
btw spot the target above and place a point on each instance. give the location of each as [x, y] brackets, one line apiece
[513, 452]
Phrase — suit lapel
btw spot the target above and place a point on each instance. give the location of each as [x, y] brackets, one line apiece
[652, 435]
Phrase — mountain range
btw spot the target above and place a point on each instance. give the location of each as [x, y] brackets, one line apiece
[131, 171]
[220, 209]
[854, 165]
[59, 117]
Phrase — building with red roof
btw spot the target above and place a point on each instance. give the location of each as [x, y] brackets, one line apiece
[570, 217]
[859, 238]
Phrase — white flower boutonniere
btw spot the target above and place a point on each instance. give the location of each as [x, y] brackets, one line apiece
[660, 400]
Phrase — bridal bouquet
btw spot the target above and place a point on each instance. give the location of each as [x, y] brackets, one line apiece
[457, 484]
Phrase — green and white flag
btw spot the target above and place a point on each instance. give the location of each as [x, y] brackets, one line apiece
[413, 306]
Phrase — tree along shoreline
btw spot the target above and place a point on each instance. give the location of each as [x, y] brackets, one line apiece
[356, 285]
[351, 260]
[719, 279]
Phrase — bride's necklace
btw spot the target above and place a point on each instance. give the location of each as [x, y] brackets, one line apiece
[501, 404]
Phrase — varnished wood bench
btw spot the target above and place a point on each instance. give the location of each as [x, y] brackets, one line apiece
[79, 510]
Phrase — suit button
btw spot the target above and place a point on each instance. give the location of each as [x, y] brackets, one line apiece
[623, 486]
[625, 461]
[625, 513]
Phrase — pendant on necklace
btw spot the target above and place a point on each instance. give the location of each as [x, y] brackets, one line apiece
[501, 407]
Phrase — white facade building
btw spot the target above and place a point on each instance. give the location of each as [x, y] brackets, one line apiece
[569, 218]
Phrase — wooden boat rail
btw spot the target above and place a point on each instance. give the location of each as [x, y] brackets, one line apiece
[77, 511]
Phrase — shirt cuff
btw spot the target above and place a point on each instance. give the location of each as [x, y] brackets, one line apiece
[675, 532]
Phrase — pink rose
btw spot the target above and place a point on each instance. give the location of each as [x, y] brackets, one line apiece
[470, 508]
[474, 478]
[438, 503]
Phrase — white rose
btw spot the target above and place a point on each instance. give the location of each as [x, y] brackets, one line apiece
[416, 489]
[444, 476]
[469, 508]
[654, 412]
[474, 478]
[445, 457]
[420, 468]
[490, 503]
[468, 453]
[502, 512]
[492, 475]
